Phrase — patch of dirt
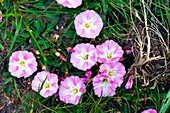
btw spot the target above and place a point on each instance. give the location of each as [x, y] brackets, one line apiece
[157, 67]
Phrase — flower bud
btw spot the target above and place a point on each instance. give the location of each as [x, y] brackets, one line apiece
[128, 52]
[57, 54]
[69, 49]
[129, 83]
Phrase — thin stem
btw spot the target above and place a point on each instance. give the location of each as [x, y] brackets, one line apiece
[35, 41]
[147, 34]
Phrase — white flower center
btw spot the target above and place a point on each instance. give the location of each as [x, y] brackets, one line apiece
[75, 90]
[109, 56]
[105, 80]
[22, 63]
[85, 57]
[87, 25]
[110, 73]
[47, 85]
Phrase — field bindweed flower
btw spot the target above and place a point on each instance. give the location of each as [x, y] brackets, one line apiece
[104, 86]
[88, 75]
[149, 111]
[115, 71]
[0, 17]
[88, 24]
[84, 57]
[22, 64]
[70, 3]
[129, 83]
[50, 85]
[71, 90]
[109, 52]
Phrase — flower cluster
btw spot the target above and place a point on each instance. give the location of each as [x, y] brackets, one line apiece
[23, 64]
[111, 76]
[84, 56]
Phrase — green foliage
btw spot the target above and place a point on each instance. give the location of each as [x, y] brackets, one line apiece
[165, 103]
[32, 24]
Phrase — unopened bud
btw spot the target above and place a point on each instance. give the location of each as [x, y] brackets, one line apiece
[57, 36]
[69, 49]
[63, 58]
[30, 40]
[61, 62]
[128, 52]
[88, 74]
[43, 67]
[57, 54]
[59, 49]
[66, 72]
[37, 52]
[106, 37]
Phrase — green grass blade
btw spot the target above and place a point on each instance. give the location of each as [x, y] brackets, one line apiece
[17, 90]
[166, 103]
[15, 35]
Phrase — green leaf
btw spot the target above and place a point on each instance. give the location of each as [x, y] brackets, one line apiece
[39, 5]
[51, 16]
[15, 35]
[8, 90]
[7, 74]
[8, 80]
[37, 24]
[105, 6]
[44, 44]
[50, 26]
[1, 47]
[165, 103]
[69, 34]
[25, 35]
[7, 4]
[54, 63]
[94, 5]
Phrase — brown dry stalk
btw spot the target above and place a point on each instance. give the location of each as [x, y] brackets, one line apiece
[147, 34]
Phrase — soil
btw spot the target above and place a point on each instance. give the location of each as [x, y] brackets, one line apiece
[155, 69]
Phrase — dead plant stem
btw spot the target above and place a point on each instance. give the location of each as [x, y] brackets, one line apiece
[147, 34]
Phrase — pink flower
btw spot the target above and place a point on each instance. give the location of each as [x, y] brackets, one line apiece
[115, 71]
[88, 75]
[128, 51]
[104, 86]
[84, 57]
[63, 58]
[69, 49]
[70, 3]
[22, 64]
[88, 24]
[149, 111]
[71, 90]
[0, 16]
[109, 51]
[129, 83]
[50, 85]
